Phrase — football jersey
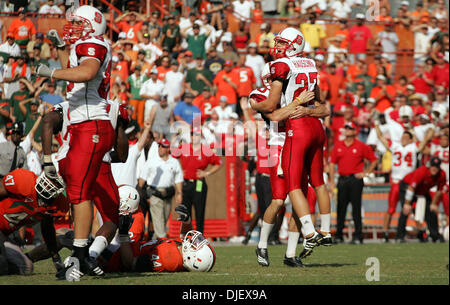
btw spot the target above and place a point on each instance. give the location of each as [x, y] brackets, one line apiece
[277, 134]
[443, 154]
[403, 161]
[21, 207]
[88, 100]
[163, 255]
[297, 74]
[113, 115]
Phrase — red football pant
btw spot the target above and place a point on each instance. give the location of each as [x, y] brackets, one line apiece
[89, 142]
[277, 183]
[303, 154]
[311, 196]
[106, 194]
[394, 197]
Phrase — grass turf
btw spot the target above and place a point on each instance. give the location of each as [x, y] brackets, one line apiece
[400, 264]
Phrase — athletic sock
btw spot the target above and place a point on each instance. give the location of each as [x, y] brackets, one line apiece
[80, 248]
[292, 243]
[307, 224]
[100, 243]
[266, 228]
[325, 222]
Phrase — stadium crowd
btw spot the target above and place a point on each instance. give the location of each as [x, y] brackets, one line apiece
[201, 61]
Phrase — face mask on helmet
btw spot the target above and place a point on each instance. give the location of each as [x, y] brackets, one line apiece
[83, 21]
[198, 254]
[265, 75]
[47, 189]
[129, 199]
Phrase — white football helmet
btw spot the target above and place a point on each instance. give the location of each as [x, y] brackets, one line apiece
[84, 21]
[129, 199]
[265, 75]
[198, 255]
[48, 189]
[293, 43]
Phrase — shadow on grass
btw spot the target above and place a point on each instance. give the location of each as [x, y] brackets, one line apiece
[131, 275]
[335, 265]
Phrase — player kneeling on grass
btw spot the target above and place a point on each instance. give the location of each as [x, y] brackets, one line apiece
[26, 199]
[190, 252]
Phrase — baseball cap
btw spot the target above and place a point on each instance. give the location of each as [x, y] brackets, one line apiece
[16, 127]
[441, 91]
[406, 3]
[253, 45]
[223, 99]
[195, 26]
[164, 143]
[10, 35]
[154, 71]
[360, 16]
[228, 63]
[188, 53]
[424, 116]
[415, 97]
[34, 102]
[319, 57]
[410, 87]
[435, 161]
[146, 35]
[371, 100]
[381, 76]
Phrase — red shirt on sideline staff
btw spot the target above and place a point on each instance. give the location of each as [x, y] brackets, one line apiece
[195, 160]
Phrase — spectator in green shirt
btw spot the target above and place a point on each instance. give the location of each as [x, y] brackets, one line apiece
[196, 42]
[198, 78]
[135, 81]
[26, 91]
[170, 33]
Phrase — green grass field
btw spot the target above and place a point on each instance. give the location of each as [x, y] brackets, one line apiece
[400, 264]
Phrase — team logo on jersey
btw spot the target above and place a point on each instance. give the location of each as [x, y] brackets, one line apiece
[290, 133]
[95, 138]
[354, 150]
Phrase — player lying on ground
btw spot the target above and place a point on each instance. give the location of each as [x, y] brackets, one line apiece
[26, 199]
[190, 252]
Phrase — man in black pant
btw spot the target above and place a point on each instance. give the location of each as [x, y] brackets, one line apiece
[349, 156]
[419, 183]
[195, 159]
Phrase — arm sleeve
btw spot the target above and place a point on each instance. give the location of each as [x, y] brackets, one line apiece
[369, 154]
[279, 71]
[91, 50]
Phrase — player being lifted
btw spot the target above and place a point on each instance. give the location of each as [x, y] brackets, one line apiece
[302, 154]
[87, 72]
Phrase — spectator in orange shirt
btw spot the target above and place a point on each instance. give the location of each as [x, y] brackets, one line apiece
[23, 29]
[131, 26]
[226, 84]
[324, 82]
[123, 66]
[163, 68]
[383, 93]
[247, 80]
[421, 14]
[258, 13]
[206, 102]
[343, 31]
[355, 70]
[337, 83]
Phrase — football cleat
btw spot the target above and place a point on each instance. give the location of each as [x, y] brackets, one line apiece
[386, 237]
[90, 266]
[71, 271]
[263, 256]
[310, 243]
[293, 262]
[247, 238]
[327, 241]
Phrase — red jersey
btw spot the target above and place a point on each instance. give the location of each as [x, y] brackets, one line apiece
[21, 207]
[422, 181]
[350, 159]
[136, 231]
[440, 75]
[191, 161]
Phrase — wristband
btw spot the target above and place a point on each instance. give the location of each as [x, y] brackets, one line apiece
[409, 195]
[48, 159]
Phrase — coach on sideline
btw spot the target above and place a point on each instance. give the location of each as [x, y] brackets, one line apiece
[195, 159]
[349, 156]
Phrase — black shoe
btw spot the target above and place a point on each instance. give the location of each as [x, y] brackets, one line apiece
[263, 256]
[292, 262]
[309, 244]
[386, 237]
[90, 266]
[422, 236]
[247, 238]
[71, 271]
[327, 240]
[338, 240]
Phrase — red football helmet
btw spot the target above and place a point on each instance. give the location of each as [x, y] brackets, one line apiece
[289, 42]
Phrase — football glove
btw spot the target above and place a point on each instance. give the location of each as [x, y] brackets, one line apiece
[56, 40]
[44, 71]
[125, 222]
[183, 213]
[50, 170]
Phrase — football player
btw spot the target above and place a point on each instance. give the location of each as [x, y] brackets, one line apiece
[104, 191]
[302, 155]
[403, 162]
[87, 69]
[26, 199]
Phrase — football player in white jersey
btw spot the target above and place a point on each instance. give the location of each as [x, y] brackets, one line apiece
[87, 70]
[291, 75]
[105, 189]
[403, 162]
